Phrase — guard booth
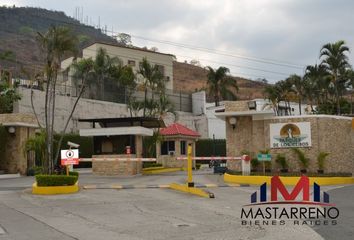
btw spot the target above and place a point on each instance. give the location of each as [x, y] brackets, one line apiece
[117, 141]
[176, 138]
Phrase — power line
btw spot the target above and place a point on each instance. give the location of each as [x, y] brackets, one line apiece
[202, 49]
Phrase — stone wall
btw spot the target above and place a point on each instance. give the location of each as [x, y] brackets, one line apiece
[15, 160]
[110, 165]
[330, 134]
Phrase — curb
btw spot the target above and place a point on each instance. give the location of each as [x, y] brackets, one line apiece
[154, 186]
[290, 181]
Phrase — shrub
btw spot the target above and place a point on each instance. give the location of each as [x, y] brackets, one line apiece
[35, 171]
[74, 174]
[151, 164]
[281, 160]
[56, 180]
[210, 147]
[254, 163]
[304, 161]
[198, 165]
[321, 160]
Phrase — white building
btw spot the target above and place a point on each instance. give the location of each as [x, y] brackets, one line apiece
[128, 56]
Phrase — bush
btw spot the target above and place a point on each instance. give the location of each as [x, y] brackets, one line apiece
[254, 163]
[151, 164]
[35, 171]
[210, 147]
[303, 160]
[321, 158]
[74, 174]
[56, 180]
[198, 165]
[281, 160]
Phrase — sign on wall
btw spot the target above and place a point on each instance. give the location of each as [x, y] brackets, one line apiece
[287, 135]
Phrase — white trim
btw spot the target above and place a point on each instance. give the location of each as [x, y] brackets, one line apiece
[116, 131]
[19, 124]
[243, 113]
[309, 116]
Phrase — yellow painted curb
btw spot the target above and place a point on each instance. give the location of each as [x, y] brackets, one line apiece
[153, 168]
[55, 189]
[291, 181]
[163, 170]
[191, 190]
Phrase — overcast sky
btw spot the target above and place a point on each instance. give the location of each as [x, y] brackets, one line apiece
[247, 35]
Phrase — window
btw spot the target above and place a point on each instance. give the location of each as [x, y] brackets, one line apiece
[161, 69]
[183, 147]
[167, 146]
[131, 63]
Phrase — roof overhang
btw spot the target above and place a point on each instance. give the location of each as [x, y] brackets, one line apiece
[19, 124]
[256, 115]
[116, 131]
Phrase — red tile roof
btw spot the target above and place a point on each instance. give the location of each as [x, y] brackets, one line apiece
[178, 129]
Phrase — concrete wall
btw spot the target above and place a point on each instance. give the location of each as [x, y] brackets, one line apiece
[88, 108]
[330, 134]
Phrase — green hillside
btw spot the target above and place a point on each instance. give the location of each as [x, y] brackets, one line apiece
[18, 30]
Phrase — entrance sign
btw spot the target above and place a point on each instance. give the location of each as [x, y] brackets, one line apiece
[264, 157]
[70, 157]
[287, 135]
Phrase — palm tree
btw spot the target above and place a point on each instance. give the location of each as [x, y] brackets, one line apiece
[55, 43]
[336, 61]
[317, 83]
[152, 78]
[103, 67]
[220, 84]
[272, 95]
[298, 83]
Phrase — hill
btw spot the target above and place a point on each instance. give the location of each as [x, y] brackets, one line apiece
[18, 31]
[189, 78]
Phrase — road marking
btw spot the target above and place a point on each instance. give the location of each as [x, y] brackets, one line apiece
[2, 231]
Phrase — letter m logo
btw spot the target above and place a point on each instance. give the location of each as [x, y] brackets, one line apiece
[303, 184]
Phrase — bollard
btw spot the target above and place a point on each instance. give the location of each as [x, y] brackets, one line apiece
[189, 166]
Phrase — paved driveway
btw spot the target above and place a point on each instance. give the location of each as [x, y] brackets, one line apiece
[133, 213]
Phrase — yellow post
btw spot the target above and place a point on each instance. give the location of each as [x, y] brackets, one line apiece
[189, 166]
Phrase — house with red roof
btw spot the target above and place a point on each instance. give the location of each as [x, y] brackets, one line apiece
[176, 138]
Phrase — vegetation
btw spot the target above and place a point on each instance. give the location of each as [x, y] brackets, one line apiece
[321, 160]
[37, 144]
[323, 85]
[8, 96]
[281, 160]
[3, 140]
[151, 164]
[255, 163]
[220, 85]
[210, 147]
[303, 160]
[56, 180]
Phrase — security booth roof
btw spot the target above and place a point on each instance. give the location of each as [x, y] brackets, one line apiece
[147, 122]
[177, 129]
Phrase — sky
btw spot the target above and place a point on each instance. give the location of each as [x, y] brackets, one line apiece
[268, 39]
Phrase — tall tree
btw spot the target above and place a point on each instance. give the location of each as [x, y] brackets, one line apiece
[152, 78]
[334, 58]
[55, 44]
[298, 85]
[221, 85]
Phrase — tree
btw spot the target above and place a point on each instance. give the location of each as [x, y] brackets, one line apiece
[56, 43]
[220, 84]
[124, 39]
[317, 83]
[104, 66]
[336, 61]
[8, 96]
[298, 84]
[152, 78]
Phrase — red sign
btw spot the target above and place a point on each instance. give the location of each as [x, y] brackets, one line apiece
[70, 157]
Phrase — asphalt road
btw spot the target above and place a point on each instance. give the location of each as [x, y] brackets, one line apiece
[343, 197]
[146, 213]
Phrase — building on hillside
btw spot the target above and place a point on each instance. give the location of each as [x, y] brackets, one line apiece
[128, 55]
